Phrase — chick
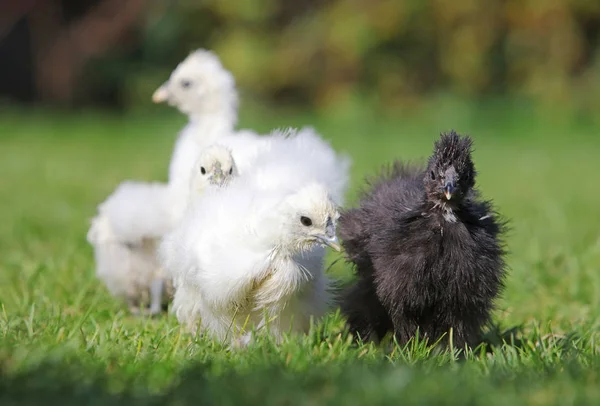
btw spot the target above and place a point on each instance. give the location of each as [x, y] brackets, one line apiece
[427, 251]
[124, 235]
[254, 257]
[214, 168]
[204, 90]
[201, 88]
[126, 232]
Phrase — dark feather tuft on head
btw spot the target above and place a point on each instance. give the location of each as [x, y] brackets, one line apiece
[452, 149]
[451, 163]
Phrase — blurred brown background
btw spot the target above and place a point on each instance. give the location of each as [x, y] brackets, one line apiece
[114, 53]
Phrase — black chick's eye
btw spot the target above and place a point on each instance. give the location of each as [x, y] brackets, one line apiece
[186, 84]
[432, 175]
[202, 170]
[306, 221]
[230, 171]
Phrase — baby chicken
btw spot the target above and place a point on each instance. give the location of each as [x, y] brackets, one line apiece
[126, 232]
[124, 235]
[214, 168]
[254, 257]
[427, 251]
[204, 90]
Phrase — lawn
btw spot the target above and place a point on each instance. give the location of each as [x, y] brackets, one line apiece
[64, 340]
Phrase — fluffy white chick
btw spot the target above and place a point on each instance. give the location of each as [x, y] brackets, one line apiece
[126, 232]
[214, 168]
[124, 236]
[205, 91]
[254, 258]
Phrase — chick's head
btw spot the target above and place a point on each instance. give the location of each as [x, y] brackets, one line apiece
[215, 166]
[199, 85]
[450, 173]
[309, 218]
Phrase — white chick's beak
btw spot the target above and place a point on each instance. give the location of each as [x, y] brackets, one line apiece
[161, 94]
[218, 177]
[330, 242]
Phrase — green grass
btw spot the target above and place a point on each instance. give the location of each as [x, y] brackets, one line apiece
[64, 340]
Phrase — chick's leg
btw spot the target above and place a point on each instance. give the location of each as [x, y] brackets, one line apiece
[157, 289]
[242, 341]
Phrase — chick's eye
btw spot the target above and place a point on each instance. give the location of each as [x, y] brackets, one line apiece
[230, 171]
[202, 170]
[432, 175]
[306, 221]
[186, 84]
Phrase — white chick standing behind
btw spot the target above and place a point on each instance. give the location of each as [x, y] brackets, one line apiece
[203, 89]
[254, 257]
[125, 235]
[126, 232]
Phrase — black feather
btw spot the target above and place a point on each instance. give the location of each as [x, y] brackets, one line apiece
[424, 262]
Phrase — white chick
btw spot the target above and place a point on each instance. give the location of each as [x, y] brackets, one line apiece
[214, 169]
[126, 232]
[124, 235]
[205, 91]
[254, 258]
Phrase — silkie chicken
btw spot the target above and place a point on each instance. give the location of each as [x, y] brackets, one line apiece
[126, 232]
[427, 251]
[201, 88]
[252, 254]
[205, 91]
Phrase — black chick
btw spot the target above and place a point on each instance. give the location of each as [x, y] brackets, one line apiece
[427, 251]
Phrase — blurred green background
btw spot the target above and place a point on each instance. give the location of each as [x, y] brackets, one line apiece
[316, 54]
[379, 79]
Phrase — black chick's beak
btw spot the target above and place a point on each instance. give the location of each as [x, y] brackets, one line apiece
[331, 242]
[449, 189]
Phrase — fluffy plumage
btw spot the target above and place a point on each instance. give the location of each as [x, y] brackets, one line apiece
[251, 254]
[292, 158]
[124, 235]
[126, 232]
[204, 90]
[427, 251]
[214, 168]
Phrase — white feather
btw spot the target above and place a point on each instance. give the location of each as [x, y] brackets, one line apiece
[210, 99]
[241, 262]
[127, 230]
[293, 158]
[125, 235]
[138, 210]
